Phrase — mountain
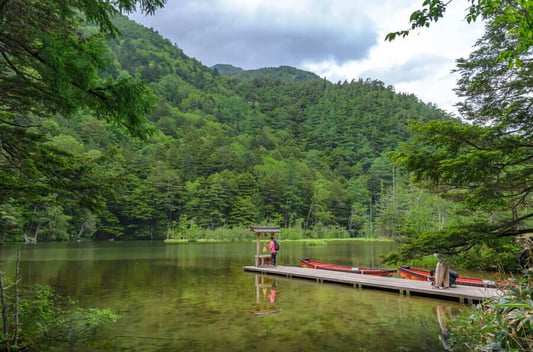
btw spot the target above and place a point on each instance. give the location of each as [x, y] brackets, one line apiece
[227, 69]
[284, 73]
[263, 144]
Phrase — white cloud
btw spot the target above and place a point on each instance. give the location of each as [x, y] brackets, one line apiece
[254, 34]
[337, 39]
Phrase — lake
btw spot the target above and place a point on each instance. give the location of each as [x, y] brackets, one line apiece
[196, 297]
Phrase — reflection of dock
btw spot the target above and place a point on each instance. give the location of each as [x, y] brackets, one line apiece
[265, 296]
[463, 294]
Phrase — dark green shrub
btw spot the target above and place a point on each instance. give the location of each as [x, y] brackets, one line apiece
[503, 323]
[39, 316]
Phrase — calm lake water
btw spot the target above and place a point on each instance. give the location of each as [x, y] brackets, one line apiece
[196, 297]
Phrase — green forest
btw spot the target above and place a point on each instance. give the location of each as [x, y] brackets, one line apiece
[273, 146]
[121, 135]
[108, 131]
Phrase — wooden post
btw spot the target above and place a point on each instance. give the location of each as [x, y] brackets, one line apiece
[258, 249]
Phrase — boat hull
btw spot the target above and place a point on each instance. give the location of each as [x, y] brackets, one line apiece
[313, 264]
[407, 272]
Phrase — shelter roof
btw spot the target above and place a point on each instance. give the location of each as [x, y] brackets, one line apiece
[265, 229]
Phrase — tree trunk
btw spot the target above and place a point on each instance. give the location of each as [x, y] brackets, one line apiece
[5, 319]
[17, 300]
[80, 232]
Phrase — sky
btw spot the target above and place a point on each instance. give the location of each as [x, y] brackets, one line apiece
[336, 39]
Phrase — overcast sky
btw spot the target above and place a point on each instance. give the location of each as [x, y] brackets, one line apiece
[336, 39]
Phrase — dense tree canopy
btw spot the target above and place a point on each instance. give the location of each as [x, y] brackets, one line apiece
[50, 66]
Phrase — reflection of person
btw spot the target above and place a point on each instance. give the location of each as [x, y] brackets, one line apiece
[273, 251]
[272, 295]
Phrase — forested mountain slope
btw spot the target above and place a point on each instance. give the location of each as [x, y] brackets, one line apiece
[284, 73]
[278, 146]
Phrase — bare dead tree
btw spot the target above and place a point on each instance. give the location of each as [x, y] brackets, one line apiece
[17, 300]
[5, 318]
[10, 341]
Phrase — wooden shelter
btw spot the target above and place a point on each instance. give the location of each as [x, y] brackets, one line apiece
[264, 232]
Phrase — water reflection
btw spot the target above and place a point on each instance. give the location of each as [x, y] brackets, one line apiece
[444, 314]
[266, 295]
[195, 297]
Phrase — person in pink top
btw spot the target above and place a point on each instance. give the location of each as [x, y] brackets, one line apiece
[273, 251]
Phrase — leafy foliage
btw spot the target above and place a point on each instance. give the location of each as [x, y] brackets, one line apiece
[485, 165]
[50, 68]
[499, 324]
[514, 14]
[43, 316]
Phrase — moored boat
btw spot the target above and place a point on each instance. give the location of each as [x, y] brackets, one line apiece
[407, 272]
[313, 264]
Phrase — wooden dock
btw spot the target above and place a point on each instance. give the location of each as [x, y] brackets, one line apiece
[463, 294]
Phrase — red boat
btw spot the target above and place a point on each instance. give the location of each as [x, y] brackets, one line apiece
[313, 264]
[407, 272]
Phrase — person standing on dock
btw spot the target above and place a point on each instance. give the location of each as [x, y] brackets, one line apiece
[273, 250]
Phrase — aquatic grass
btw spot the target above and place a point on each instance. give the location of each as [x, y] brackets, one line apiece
[194, 233]
[361, 239]
[194, 240]
[176, 240]
[315, 243]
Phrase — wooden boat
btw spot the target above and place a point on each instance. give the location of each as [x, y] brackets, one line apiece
[407, 272]
[313, 264]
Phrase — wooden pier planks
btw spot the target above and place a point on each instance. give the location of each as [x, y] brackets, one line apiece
[463, 294]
